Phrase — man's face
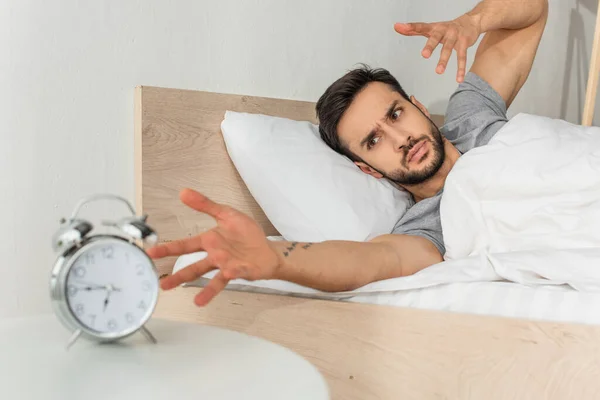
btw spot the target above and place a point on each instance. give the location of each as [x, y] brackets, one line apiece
[392, 136]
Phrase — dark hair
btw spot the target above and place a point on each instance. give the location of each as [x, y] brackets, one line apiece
[337, 98]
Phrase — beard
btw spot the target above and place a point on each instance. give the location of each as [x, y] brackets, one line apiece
[404, 176]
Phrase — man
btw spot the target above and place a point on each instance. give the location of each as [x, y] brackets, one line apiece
[368, 117]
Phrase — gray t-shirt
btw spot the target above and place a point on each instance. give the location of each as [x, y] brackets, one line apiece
[475, 113]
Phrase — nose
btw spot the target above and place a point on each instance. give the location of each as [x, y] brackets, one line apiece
[397, 137]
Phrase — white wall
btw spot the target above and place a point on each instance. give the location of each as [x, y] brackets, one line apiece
[68, 69]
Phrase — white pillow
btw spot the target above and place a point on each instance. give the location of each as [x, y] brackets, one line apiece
[308, 191]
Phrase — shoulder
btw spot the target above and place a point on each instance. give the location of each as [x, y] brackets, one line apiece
[475, 113]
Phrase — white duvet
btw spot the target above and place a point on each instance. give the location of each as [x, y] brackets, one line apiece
[536, 186]
[525, 209]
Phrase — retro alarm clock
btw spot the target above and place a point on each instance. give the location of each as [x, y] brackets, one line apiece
[104, 287]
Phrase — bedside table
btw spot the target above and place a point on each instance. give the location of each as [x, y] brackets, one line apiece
[190, 361]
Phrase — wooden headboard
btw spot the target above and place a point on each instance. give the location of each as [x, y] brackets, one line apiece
[178, 144]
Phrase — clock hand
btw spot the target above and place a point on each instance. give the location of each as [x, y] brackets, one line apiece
[106, 300]
[92, 286]
[88, 288]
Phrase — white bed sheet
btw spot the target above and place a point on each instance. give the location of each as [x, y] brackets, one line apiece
[461, 286]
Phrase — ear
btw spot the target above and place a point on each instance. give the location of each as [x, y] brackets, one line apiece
[368, 170]
[421, 106]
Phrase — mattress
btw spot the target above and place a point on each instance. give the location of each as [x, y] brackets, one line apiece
[462, 286]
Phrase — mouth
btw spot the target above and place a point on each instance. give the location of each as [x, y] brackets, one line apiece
[417, 153]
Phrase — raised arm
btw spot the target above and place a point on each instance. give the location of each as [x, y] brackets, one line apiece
[513, 30]
[238, 248]
[506, 53]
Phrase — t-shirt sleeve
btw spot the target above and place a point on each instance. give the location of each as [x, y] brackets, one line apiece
[423, 219]
[475, 113]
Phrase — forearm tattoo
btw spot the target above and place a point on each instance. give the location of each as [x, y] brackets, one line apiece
[293, 246]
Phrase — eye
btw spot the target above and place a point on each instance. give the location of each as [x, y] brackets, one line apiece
[372, 142]
[396, 114]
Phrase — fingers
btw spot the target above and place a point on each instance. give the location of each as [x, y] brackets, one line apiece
[438, 33]
[214, 287]
[445, 55]
[431, 44]
[197, 270]
[176, 248]
[412, 29]
[201, 203]
[462, 63]
[188, 274]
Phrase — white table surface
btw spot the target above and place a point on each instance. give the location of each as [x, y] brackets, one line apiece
[190, 361]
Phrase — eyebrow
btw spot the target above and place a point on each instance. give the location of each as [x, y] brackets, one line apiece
[371, 134]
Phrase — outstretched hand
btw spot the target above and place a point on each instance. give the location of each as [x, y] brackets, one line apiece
[237, 246]
[459, 35]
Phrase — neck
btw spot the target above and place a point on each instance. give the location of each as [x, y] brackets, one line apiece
[433, 185]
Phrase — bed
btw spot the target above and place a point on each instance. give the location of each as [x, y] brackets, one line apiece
[409, 348]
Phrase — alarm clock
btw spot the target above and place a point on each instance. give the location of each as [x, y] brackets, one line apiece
[104, 286]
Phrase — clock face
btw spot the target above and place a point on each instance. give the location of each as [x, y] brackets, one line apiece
[111, 286]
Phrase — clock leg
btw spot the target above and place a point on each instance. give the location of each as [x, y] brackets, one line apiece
[148, 335]
[73, 338]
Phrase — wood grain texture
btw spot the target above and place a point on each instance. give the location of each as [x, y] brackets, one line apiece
[179, 144]
[594, 72]
[182, 146]
[382, 352]
[137, 150]
[364, 351]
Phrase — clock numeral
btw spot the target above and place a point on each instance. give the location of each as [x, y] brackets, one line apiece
[80, 272]
[142, 305]
[129, 318]
[72, 291]
[146, 286]
[108, 252]
[127, 258]
[89, 259]
[112, 324]
[93, 319]
[79, 309]
[140, 269]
